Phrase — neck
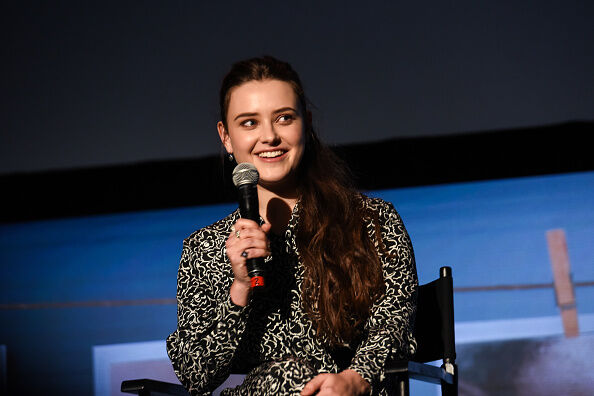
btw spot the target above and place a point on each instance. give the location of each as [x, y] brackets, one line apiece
[276, 207]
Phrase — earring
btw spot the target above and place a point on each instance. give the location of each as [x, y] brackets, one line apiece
[231, 157]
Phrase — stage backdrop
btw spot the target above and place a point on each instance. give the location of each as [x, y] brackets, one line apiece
[82, 298]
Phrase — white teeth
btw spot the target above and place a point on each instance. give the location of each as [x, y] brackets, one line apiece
[271, 154]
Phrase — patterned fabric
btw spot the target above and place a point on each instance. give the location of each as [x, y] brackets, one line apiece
[271, 338]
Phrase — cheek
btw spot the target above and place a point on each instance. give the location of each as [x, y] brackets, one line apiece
[303, 141]
[299, 146]
[299, 138]
[241, 142]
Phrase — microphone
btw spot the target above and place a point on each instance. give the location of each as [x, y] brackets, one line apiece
[245, 178]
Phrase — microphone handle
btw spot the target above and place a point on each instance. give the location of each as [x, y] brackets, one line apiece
[249, 209]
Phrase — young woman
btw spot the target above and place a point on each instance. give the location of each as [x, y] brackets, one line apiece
[341, 278]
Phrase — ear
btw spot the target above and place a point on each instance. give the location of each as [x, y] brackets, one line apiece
[224, 135]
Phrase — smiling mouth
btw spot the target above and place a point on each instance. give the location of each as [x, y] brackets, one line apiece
[271, 154]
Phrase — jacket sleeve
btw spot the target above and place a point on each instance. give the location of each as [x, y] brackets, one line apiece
[209, 324]
[389, 327]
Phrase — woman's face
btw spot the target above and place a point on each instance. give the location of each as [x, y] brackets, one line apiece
[265, 127]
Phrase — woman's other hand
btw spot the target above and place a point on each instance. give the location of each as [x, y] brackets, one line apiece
[348, 382]
[246, 240]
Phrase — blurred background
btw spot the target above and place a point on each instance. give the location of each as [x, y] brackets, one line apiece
[471, 117]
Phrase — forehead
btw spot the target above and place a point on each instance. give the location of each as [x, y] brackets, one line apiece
[261, 96]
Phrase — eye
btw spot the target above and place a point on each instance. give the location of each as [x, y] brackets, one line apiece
[285, 118]
[249, 123]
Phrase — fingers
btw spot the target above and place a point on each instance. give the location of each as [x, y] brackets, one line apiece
[254, 242]
[250, 253]
[266, 227]
[314, 385]
[250, 233]
[246, 223]
[246, 240]
[247, 233]
[329, 384]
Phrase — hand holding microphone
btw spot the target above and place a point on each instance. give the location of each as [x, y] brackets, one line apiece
[247, 244]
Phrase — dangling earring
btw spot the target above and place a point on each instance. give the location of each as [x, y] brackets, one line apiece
[231, 157]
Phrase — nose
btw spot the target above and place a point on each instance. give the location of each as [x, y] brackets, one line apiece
[269, 135]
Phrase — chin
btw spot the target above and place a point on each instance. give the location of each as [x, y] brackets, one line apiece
[271, 180]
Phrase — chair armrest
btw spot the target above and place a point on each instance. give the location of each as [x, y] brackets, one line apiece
[420, 371]
[152, 387]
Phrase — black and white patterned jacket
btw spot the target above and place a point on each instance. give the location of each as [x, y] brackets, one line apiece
[215, 337]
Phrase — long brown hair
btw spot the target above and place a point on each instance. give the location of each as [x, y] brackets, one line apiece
[343, 274]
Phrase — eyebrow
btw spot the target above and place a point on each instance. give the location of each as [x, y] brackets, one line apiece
[245, 115]
[281, 110]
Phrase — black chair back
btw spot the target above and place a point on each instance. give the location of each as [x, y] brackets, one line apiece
[434, 332]
[434, 322]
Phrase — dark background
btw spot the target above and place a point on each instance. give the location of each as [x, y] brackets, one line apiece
[88, 84]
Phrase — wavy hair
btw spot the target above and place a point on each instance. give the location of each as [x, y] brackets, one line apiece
[343, 274]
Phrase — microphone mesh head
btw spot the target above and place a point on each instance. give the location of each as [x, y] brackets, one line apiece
[245, 173]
